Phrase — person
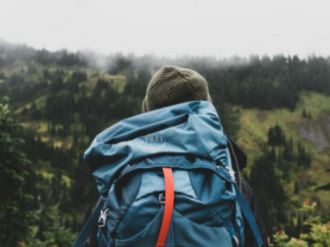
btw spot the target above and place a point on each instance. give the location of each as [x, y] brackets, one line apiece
[169, 87]
[174, 85]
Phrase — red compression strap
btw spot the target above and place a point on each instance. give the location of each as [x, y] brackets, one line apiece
[169, 203]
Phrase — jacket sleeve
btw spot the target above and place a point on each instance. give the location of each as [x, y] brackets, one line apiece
[251, 200]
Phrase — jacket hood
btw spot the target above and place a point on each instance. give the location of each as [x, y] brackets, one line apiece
[191, 128]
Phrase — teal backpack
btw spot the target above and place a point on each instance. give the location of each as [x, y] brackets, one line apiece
[166, 179]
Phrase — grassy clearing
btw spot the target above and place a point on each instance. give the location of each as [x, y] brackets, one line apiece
[40, 103]
[255, 123]
[118, 81]
[15, 68]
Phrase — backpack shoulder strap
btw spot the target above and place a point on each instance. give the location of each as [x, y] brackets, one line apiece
[90, 224]
[248, 216]
[239, 154]
[168, 209]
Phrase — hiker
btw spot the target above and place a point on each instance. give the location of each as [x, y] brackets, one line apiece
[170, 176]
[172, 85]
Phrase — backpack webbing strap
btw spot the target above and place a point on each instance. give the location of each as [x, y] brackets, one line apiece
[248, 216]
[168, 209]
[88, 228]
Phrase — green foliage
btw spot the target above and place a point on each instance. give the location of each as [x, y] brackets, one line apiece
[281, 240]
[55, 234]
[14, 214]
[58, 236]
[325, 187]
[318, 234]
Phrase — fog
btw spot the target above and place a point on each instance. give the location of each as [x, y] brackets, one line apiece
[221, 29]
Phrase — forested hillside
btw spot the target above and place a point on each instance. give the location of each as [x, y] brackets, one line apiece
[277, 109]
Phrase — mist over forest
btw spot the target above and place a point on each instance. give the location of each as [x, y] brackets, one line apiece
[276, 108]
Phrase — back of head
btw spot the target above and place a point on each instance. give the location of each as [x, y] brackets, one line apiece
[172, 85]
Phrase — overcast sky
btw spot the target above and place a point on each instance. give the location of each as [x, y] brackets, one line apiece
[170, 27]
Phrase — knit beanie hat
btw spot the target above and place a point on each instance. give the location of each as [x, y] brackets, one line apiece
[173, 85]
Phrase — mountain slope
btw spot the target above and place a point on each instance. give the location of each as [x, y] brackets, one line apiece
[253, 135]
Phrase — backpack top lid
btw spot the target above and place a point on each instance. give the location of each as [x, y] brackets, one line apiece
[191, 128]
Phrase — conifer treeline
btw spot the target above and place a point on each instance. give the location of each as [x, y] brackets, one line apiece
[75, 109]
[261, 82]
[265, 82]
[271, 171]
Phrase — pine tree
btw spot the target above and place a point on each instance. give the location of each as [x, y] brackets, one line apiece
[276, 136]
[272, 154]
[268, 191]
[303, 159]
[309, 115]
[298, 227]
[296, 188]
[288, 151]
[15, 217]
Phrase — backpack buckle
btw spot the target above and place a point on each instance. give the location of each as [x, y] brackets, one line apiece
[161, 198]
[231, 173]
[103, 218]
